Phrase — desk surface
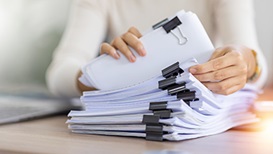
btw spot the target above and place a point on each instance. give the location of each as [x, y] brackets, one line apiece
[50, 135]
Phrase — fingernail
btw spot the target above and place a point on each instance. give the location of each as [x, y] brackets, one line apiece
[193, 70]
[132, 58]
[142, 51]
[116, 55]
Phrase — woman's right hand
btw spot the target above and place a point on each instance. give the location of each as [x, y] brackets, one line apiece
[121, 43]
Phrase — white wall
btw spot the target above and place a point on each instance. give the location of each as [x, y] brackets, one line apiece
[29, 32]
[264, 23]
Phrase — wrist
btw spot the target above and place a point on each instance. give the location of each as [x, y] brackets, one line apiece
[256, 70]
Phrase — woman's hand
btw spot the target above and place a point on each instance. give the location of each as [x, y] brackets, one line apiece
[81, 86]
[227, 70]
[130, 38]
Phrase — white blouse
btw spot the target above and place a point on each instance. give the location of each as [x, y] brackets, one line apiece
[94, 21]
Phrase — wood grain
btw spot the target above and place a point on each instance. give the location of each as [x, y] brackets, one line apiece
[50, 135]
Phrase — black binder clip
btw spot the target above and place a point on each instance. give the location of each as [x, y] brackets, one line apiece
[186, 96]
[174, 89]
[150, 119]
[172, 70]
[160, 109]
[171, 25]
[158, 105]
[164, 114]
[188, 101]
[154, 132]
[154, 129]
[164, 84]
[159, 24]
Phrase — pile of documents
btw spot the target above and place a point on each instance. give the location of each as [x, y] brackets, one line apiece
[156, 97]
[172, 106]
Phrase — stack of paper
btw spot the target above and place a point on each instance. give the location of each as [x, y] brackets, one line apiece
[172, 106]
[143, 99]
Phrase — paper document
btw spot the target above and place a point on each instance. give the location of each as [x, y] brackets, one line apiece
[156, 97]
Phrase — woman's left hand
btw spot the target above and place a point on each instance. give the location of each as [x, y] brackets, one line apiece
[227, 70]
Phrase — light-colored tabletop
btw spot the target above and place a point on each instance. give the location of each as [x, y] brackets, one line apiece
[50, 135]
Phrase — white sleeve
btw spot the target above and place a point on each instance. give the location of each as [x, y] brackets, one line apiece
[84, 33]
[235, 24]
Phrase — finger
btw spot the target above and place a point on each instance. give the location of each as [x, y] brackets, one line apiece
[134, 42]
[217, 53]
[108, 49]
[119, 44]
[231, 58]
[222, 74]
[135, 31]
[233, 89]
[224, 86]
[221, 51]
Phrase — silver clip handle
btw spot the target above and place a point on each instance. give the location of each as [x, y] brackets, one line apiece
[181, 40]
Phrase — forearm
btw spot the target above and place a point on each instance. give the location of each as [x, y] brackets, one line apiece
[79, 44]
[61, 77]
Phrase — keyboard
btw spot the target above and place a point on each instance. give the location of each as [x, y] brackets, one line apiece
[28, 104]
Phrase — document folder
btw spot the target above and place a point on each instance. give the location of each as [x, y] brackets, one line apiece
[178, 38]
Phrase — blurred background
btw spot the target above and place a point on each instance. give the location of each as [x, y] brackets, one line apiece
[31, 29]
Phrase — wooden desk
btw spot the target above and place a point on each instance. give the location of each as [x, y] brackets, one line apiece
[50, 135]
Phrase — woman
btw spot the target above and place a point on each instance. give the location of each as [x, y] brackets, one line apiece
[229, 23]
